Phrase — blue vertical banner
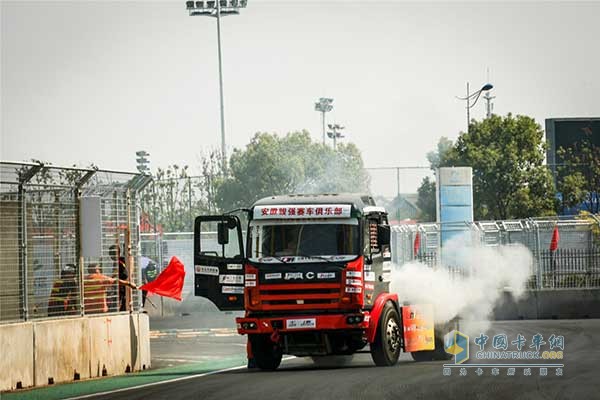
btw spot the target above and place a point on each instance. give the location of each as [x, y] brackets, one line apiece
[454, 198]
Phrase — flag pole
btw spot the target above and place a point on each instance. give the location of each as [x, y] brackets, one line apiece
[553, 247]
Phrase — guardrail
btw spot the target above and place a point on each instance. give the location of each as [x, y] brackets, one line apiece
[42, 271]
[575, 264]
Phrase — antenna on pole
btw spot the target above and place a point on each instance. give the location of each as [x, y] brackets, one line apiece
[489, 106]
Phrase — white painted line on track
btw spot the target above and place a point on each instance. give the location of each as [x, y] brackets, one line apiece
[183, 378]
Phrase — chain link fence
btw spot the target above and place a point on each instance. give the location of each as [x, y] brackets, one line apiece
[159, 248]
[42, 271]
[575, 264]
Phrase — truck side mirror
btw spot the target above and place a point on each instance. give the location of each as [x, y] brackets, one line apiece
[383, 235]
[222, 233]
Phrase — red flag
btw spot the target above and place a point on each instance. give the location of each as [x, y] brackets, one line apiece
[555, 239]
[170, 282]
[417, 244]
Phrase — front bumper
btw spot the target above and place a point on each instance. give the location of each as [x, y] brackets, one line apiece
[302, 323]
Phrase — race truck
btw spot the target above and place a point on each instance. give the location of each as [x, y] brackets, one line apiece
[313, 280]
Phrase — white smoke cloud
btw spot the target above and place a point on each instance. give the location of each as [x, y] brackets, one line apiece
[472, 291]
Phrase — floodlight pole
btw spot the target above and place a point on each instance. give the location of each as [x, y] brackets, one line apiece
[216, 9]
[323, 119]
[223, 147]
[324, 105]
[335, 134]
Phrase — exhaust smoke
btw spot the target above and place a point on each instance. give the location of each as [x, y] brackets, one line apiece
[470, 284]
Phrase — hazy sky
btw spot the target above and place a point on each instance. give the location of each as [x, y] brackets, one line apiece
[95, 81]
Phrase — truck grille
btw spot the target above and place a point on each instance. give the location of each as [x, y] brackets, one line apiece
[300, 296]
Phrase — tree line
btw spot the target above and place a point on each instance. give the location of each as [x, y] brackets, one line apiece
[269, 165]
[510, 177]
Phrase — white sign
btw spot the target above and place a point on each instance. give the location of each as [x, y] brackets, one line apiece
[231, 279]
[325, 275]
[274, 275]
[234, 266]
[232, 289]
[462, 176]
[301, 323]
[353, 274]
[354, 282]
[369, 276]
[250, 283]
[250, 276]
[292, 275]
[206, 270]
[353, 290]
[302, 211]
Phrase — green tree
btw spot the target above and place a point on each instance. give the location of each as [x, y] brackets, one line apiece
[204, 188]
[171, 195]
[579, 172]
[426, 200]
[509, 178]
[274, 165]
[436, 157]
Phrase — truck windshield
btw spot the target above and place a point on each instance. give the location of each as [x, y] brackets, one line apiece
[304, 240]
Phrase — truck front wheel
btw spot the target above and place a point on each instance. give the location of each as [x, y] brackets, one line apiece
[266, 353]
[385, 350]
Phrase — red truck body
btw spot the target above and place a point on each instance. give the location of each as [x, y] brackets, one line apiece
[313, 279]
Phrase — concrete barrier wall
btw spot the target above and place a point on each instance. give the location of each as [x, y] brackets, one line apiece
[16, 355]
[62, 349]
[75, 348]
[550, 304]
[109, 345]
[144, 358]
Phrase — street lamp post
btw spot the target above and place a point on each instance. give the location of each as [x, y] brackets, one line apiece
[324, 105]
[335, 133]
[217, 9]
[485, 88]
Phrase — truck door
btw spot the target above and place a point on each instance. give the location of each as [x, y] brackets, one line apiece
[219, 261]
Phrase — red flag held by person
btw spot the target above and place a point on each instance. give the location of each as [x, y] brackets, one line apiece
[555, 239]
[417, 244]
[170, 282]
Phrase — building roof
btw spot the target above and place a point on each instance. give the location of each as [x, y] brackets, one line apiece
[358, 200]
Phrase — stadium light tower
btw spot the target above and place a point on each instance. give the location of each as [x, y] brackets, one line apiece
[485, 88]
[217, 9]
[335, 133]
[142, 162]
[323, 106]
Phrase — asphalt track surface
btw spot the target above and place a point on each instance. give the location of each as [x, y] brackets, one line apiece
[299, 378]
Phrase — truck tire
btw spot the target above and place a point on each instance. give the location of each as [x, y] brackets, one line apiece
[432, 355]
[385, 350]
[266, 353]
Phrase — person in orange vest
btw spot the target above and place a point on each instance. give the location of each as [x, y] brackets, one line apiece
[96, 285]
[62, 300]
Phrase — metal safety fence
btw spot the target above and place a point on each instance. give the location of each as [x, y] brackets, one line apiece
[43, 272]
[574, 264]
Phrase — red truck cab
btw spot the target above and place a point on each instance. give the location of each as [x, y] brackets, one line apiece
[313, 279]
